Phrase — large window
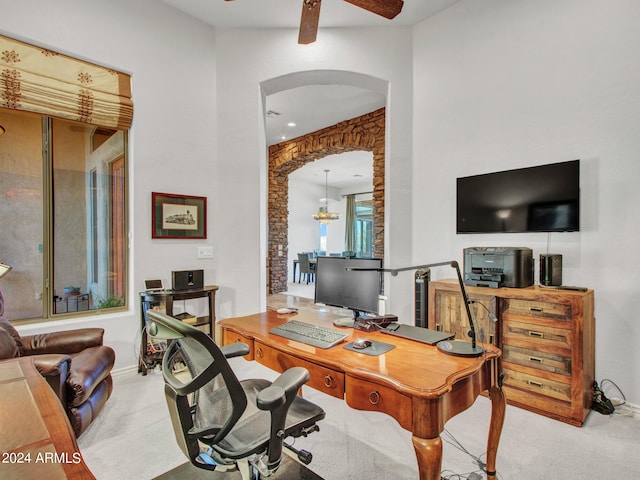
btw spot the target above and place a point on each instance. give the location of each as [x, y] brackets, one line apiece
[63, 216]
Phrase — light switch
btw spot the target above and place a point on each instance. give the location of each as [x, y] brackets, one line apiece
[205, 251]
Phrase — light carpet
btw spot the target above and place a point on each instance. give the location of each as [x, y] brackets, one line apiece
[133, 439]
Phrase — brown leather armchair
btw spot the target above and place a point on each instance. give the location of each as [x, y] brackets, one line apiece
[74, 362]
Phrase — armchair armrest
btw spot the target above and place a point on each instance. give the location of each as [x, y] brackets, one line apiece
[55, 370]
[69, 341]
[237, 349]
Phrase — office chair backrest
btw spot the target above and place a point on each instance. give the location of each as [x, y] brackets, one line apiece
[204, 395]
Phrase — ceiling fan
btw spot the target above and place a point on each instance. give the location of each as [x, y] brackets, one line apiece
[311, 14]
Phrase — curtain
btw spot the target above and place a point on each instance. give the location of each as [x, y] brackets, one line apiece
[350, 225]
[38, 80]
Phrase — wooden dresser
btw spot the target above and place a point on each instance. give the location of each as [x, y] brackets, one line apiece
[547, 337]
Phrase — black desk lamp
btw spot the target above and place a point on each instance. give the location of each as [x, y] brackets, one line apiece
[450, 347]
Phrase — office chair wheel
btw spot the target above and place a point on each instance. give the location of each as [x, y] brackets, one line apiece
[248, 471]
[255, 474]
[207, 459]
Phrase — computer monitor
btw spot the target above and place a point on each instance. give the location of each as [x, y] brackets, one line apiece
[355, 290]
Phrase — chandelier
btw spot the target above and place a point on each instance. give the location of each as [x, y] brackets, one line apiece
[323, 215]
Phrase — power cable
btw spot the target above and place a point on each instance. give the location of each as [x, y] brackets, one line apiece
[473, 475]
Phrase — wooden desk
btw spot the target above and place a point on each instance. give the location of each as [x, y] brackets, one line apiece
[36, 440]
[414, 383]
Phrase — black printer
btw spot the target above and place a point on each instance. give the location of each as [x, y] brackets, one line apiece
[496, 267]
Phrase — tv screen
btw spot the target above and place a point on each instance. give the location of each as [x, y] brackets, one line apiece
[355, 290]
[544, 198]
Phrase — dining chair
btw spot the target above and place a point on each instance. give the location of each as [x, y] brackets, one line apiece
[306, 268]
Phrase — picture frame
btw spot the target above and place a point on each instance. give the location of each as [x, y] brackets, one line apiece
[178, 216]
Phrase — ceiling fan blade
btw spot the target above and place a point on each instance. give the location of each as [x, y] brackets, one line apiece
[309, 21]
[385, 8]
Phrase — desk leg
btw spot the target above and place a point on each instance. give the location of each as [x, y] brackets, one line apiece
[498, 408]
[429, 455]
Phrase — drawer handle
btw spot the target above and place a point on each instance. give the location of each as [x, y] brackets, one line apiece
[438, 327]
[536, 334]
[328, 381]
[534, 384]
[535, 360]
[536, 309]
[259, 353]
[374, 398]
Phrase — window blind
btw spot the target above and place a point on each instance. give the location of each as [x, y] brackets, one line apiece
[38, 80]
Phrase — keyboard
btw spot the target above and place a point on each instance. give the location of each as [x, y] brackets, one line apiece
[310, 334]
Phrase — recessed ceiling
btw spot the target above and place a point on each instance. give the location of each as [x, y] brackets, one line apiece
[314, 107]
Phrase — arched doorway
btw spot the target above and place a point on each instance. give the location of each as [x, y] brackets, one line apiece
[366, 132]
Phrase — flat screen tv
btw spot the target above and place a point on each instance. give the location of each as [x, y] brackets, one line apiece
[355, 290]
[545, 198]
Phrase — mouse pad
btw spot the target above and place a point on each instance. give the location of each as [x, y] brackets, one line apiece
[376, 348]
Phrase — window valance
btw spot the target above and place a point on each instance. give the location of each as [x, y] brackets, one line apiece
[38, 80]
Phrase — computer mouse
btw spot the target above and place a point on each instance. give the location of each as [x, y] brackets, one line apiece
[361, 343]
[287, 310]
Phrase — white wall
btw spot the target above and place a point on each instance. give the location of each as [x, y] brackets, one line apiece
[502, 85]
[171, 58]
[303, 229]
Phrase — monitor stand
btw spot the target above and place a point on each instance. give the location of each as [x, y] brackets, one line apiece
[344, 322]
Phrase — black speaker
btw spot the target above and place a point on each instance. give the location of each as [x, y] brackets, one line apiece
[187, 279]
[421, 297]
[550, 269]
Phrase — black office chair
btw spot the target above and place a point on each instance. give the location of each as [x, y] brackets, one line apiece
[306, 268]
[219, 421]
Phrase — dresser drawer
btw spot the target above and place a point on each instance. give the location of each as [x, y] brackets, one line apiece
[536, 336]
[537, 385]
[322, 378]
[364, 395]
[229, 337]
[538, 359]
[536, 310]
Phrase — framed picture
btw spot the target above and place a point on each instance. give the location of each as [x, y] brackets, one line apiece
[178, 216]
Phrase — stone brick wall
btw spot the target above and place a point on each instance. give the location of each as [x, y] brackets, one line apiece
[367, 133]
